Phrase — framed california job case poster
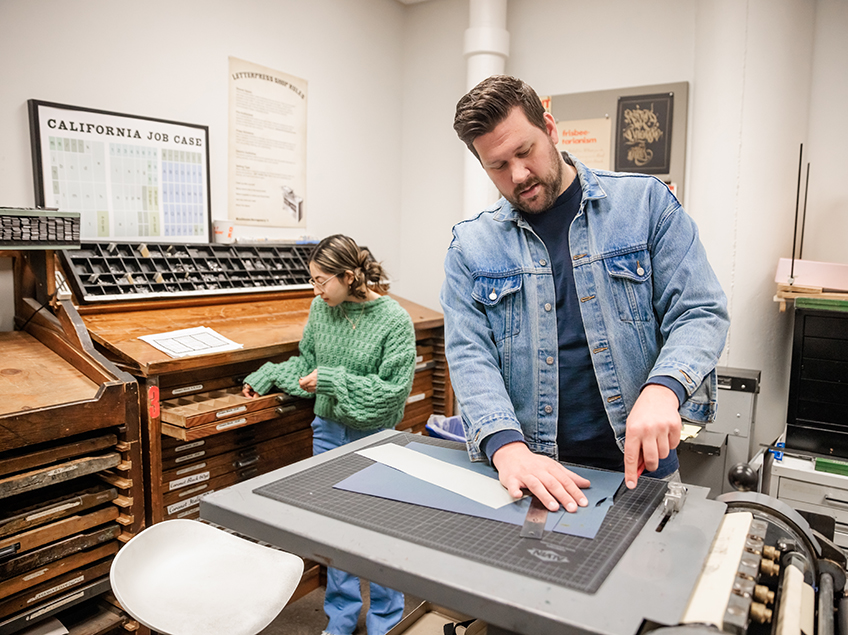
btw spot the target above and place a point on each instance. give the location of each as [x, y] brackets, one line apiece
[131, 178]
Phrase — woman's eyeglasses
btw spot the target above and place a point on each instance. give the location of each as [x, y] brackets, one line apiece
[320, 285]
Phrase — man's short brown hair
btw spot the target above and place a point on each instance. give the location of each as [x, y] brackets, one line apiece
[490, 102]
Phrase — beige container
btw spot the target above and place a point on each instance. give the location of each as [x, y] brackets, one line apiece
[429, 619]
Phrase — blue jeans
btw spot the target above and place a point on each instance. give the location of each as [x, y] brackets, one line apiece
[343, 599]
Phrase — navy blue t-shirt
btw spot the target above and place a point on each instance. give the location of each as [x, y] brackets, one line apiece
[584, 434]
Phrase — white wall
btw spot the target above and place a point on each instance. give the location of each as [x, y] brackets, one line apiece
[169, 59]
[433, 157]
[826, 235]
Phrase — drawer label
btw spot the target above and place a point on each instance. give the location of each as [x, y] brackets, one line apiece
[230, 424]
[419, 359]
[189, 457]
[177, 507]
[185, 389]
[188, 492]
[188, 480]
[55, 605]
[419, 397]
[189, 446]
[58, 587]
[34, 575]
[53, 510]
[230, 411]
[62, 470]
[191, 468]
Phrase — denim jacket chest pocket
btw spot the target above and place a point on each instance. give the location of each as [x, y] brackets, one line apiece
[499, 296]
[630, 281]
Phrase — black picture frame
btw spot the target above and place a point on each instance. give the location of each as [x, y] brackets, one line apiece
[643, 133]
[132, 178]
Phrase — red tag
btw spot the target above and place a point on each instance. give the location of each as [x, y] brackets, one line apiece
[153, 402]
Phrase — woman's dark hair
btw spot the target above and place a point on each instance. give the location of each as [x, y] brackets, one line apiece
[338, 253]
[490, 102]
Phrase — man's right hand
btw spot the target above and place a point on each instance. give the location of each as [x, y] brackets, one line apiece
[547, 479]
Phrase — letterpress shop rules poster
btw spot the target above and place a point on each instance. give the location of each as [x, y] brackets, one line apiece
[267, 146]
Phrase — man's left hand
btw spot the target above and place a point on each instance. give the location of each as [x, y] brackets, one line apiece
[653, 430]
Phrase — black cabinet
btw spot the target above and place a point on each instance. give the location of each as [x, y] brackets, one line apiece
[817, 419]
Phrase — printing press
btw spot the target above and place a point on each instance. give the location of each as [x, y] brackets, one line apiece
[767, 572]
[666, 558]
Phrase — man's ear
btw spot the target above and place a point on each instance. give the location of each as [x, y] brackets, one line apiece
[550, 125]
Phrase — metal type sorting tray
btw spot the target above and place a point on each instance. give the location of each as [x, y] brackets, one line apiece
[24, 228]
[569, 561]
[110, 271]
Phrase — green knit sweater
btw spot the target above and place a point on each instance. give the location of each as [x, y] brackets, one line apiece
[364, 374]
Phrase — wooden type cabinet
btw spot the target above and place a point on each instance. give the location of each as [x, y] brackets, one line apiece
[199, 434]
[70, 471]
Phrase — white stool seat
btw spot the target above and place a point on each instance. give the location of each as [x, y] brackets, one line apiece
[183, 577]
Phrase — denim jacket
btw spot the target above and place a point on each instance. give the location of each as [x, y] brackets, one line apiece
[651, 305]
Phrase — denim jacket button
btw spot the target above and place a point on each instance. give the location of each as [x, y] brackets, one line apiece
[640, 271]
[493, 296]
[543, 262]
[550, 360]
[548, 410]
[548, 306]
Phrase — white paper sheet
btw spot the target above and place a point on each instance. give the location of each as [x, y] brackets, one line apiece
[689, 431]
[200, 340]
[50, 626]
[479, 488]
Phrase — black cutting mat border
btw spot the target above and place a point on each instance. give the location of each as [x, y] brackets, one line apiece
[581, 564]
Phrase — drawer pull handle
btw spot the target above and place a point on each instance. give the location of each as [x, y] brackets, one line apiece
[244, 474]
[281, 410]
[246, 462]
[830, 499]
[10, 549]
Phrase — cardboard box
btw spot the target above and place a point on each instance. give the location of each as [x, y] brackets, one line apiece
[429, 619]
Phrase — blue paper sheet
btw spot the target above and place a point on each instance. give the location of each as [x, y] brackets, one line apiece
[386, 482]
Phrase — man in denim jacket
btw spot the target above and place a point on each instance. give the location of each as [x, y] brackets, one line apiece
[582, 318]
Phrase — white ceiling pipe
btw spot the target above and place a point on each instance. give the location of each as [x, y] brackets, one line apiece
[486, 51]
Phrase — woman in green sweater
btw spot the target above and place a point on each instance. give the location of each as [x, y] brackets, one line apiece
[357, 359]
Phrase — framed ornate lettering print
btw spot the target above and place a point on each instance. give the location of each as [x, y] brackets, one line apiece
[643, 133]
[137, 179]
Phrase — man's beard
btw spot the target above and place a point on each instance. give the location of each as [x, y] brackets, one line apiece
[551, 188]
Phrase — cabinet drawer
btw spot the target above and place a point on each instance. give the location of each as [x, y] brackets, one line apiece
[218, 405]
[832, 501]
[174, 450]
[216, 427]
[59, 473]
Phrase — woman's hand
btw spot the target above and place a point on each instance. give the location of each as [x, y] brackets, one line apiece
[248, 392]
[310, 382]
